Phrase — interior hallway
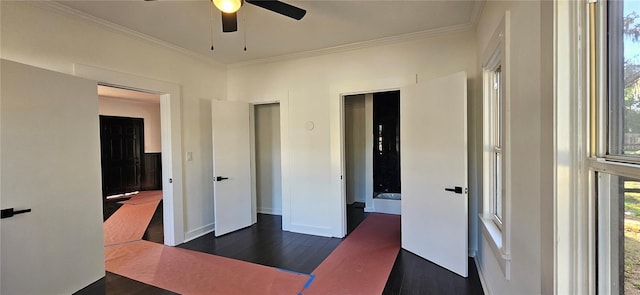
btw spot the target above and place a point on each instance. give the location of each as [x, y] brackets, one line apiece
[265, 243]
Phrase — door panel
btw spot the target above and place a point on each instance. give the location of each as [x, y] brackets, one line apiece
[434, 157]
[122, 146]
[231, 159]
[50, 162]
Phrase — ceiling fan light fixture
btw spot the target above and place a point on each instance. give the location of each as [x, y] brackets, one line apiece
[228, 6]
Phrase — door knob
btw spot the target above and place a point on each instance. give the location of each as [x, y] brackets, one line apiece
[457, 189]
[6, 213]
[220, 178]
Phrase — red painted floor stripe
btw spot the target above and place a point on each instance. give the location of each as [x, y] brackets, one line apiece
[180, 270]
[144, 197]
[190, 272]
[128, 223]
[362, 262]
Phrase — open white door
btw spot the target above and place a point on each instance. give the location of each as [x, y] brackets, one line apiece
[231, 166]
[433, 133]
[50, 163]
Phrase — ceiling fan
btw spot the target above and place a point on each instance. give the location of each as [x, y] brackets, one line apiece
[230, 7]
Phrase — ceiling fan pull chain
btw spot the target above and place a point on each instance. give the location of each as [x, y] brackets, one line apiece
[244, 24]
[212, 27]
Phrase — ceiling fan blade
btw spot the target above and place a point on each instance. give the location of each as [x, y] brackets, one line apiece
[280, 7]
[229, 22]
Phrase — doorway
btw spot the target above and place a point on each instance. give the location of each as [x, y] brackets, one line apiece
[433, 158]
[386, 145]
[131, 153]
[170, 118]
[268, 163]
[371, 154]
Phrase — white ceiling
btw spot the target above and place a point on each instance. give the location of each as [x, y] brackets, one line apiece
[187, 23]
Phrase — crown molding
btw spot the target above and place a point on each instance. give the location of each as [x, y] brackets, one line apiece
[476, 13]
[475, 16]
[60, 8]
[360, 45]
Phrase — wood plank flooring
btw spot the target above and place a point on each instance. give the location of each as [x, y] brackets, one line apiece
[413, 275]
[265, 243]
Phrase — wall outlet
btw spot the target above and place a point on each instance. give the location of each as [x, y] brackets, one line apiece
[189, 156]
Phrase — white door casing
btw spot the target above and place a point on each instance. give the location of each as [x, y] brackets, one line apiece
[232, 160]
[50, 163]
[433, 136]
[170, 121]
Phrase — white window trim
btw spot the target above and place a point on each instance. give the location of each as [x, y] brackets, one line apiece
[497, 54]
[574, 216]
[576, 223]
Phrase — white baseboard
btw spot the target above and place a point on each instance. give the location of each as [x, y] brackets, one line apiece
[483, 282]
[265, 210]
[369, 209]
[198, 232]
[323, 231]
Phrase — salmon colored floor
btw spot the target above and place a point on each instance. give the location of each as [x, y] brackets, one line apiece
[362, 262]
[191, 272]
[179, 270]
[144, 197]
[360, 265]
[128, 223]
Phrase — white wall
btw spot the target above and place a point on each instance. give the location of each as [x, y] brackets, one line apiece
[148, 111]
[44, 37]
[368, 138]
[268, 159]
[355, 148]
[312, 88]
[531, 148]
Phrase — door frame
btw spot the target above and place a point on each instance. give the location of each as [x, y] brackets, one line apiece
[252, 142]
[171, 139]
[337, 142]
[284, 159]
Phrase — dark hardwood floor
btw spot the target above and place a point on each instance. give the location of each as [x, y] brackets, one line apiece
[413, 275]
[113, 284]
[265, 243]
[355, 215]
[155, 230]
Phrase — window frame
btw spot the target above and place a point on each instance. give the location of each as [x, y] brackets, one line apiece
[494, 227]
[601, 164]
[496, 131]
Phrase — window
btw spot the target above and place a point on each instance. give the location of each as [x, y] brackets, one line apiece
[495, 200]
[614, 161]
[618, 200]
[496, 131]
[624, 83]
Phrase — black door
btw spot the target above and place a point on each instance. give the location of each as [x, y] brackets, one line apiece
[121, 141]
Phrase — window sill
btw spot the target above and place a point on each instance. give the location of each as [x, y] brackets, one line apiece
[494, 237]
